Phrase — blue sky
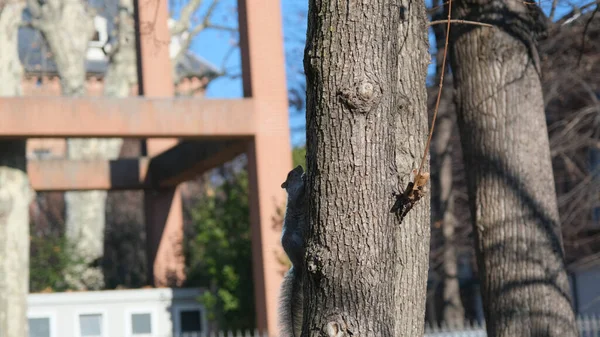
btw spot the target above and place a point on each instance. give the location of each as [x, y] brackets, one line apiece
[214, 46]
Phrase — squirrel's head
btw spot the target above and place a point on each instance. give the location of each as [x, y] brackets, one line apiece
[294, 183]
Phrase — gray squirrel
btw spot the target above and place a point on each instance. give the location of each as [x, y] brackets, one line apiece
[292, 240]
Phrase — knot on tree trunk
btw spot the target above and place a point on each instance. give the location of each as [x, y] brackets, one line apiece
[336, 327]
[362, 97]
[316, 259]
[314, 264]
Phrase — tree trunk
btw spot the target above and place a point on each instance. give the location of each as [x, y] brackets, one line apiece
[365, 271]
[10, 65]
[122, 69]
[15, 191]
[125, 228]
[67, 26]
[15, 196]
[525, 288]
[442, 198]
[442, 206]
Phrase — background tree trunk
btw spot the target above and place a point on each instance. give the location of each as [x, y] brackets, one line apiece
[10, 65]
[442, 191]
[124, 227]
[121, 75]
[67, 26]
[366, 129]
[15, 191]
[442, 206]
[525, 288]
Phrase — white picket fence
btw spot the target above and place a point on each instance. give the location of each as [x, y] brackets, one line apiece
[589, 326]
[247, 333]
[469, 329]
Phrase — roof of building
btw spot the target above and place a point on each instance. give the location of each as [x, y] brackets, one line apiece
[103, 296]
[36, 58]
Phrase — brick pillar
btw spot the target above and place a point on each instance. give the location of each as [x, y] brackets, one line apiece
[163, 207]
[269, 153]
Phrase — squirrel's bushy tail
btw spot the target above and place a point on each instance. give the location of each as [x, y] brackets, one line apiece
[290, 306]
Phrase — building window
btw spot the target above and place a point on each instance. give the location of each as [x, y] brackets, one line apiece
[42, 153]
[141, 324]
[190, 321]
[39, 327]
[90, 325]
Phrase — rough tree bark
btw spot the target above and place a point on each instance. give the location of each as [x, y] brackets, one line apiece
[366, 127]
[500, 108]
[15, 191]
[67, 26]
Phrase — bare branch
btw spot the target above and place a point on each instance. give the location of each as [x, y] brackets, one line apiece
[576, 12]
[210, 11]
[185, 17]
[195, 31]
[186, 39]
[553, 10]
[585, 31]
[465, 22]
[220, 27]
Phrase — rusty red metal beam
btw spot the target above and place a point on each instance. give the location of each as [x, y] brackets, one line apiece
[135, 117]
[167, 169]
[269, 152]
[163, 207]
[80, 175]
[189, 158]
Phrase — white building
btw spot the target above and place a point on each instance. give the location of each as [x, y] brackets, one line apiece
[153, 312]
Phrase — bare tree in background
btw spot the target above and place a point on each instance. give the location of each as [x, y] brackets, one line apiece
[442, 189]
[66, 33]
[571, 64]
[121, 75]
[366, 272]
[504, 137]
[123, 259]
[15, 190]
[68, 26]
[191, 22]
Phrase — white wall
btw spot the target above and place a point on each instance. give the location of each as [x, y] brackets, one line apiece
[116, 307]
